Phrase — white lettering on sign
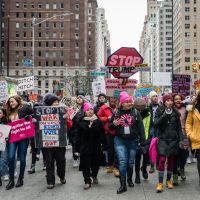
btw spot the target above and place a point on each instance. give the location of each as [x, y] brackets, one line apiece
[123, 60]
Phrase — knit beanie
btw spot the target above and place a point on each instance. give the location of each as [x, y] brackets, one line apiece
[151, 94]
[87, 106]
[49, 98]
[140, 104]
[167, 97]
[81, 97]
[124, 96]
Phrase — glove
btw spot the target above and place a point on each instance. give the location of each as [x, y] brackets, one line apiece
[27, 118]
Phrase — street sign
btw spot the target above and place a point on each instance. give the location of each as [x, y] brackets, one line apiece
[124, 62]
[27, 63]
[97, 73]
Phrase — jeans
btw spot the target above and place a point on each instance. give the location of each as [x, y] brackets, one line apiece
[126, 151]
[22, 151]
[51, 155]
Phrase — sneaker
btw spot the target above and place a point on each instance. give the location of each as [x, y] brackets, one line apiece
[169, 185]
[75, 164]
[189, 161]
[95, 181]
[109, 169]
[50, 186]
[63, 180]
[159, 187]
[86, 186]
[6, 178]
[116, 172]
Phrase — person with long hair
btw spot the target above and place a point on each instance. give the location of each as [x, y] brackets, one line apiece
[127, 122]
[168, 123]
[192, 128]
[17, 109]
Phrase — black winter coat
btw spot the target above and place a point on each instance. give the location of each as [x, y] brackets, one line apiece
[169, 132]
[88, 143]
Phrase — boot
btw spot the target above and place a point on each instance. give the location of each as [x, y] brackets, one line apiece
[123, 187]
[19, 182]
[137, 178]
[175, 179]
[129, 177]
[144, 173]
[32, 169]
[182, 173]
[10, 184]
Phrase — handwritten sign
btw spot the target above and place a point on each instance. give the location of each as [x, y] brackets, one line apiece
[3, 91]
[25, 84]
[98, 87]
[4, 132]
[21, 129]
[181, 84]
[51, 127]
[143, 92]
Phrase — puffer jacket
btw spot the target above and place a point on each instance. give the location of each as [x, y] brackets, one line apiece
[169, 132]
[192, 127]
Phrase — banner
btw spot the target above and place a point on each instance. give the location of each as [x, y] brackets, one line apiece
[181, 84]
[3, 91]
[162, 78]
[50, 126]
[25, 84]
[114, 86]
[4, 133]
[98, 87]
[143, 92]
[21, 129]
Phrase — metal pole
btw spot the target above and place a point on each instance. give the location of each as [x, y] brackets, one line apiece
[172, 42]
[1, 68]
[8, 46]
[33, 45]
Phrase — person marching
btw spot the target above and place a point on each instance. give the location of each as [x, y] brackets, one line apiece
[17, 109]
[128, 125]
[192, 128]
[54, 154]
[105, 113]
[169, 135]
[180, 160]
[88, 143]
[100, 102]
[141, 106]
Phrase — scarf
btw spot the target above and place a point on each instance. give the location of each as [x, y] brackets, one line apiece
[90, 119]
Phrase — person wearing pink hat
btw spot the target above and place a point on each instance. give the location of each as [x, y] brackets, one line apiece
[127, 122]
[87, 144]
[167, 121]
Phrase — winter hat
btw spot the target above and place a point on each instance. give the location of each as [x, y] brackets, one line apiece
[151, 94]
[140, 104]
[87, 106]
[167, 97]
[49, 98]
[81, 97]
[124, 96]
[80, 93]
[102, 95]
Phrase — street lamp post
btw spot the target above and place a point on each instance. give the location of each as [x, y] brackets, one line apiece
[33, 35]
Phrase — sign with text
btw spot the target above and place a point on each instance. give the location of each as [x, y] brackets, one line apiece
[3, 91]
[123, 63]
[51, 127]
[97, 73]
[21, 129]
[116, 84]
[98, 87]
[4, 132]
[143, 92]
[25, 84]
[162, 78]
[181, 84]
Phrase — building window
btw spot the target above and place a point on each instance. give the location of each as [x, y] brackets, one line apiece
[195, 51]
[54, 35]
[187, 9]
[54, 72]
[17, 25]
[25, 25]
[61, 54]
[54, 54]
[54, 25]
[77, 16]
[187, 17]
[39, 53]
[187, 1]
[46, 54]
[39, 44]
[17, 63]
[76, 36]
[77, 26]
[25, 6]
[195, 26]
[187, 34]
[61, 25]
[54, 44]
[17, 34]
[54, 63]
[195, 34]
[32, 5]
[40, 5]
[77, 6]
[47, 44]
[46, 83]
[62, 44]
[47, 64]
[61, 5]
[61, 63]
[54, 6]
[16, 73]
[17, 15]
[76, 44]
[195, 9]
[17, 4]
[39, 63]
[39, 15]
[16, 44]
[47, 5]
[61, 72]
[187, 26]
[47, 24]
[187, 59]
[195, 1]
[24, 44]
[39, 34]
[76, 55]
[24, 34]
[62, 35]
[25, 15]
[24, 53]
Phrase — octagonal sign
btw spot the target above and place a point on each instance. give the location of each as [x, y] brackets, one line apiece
[123, 63]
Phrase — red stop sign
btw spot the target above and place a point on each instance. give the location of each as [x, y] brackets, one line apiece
[122, 63]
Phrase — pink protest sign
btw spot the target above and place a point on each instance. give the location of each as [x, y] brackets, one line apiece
[21, 129]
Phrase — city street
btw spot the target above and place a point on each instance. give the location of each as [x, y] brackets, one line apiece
[35, 187]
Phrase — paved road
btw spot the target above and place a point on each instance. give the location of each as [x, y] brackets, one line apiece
[35, 187]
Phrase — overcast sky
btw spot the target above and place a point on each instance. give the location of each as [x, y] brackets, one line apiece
[125, 21]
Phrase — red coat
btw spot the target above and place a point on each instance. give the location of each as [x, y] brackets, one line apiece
[104, 112]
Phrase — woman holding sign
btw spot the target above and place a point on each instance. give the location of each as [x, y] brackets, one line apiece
[16, 109]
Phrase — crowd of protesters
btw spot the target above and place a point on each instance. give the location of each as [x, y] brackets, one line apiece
[119, 134]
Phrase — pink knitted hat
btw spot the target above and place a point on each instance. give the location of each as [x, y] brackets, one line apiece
[124, 96]
[87, 106]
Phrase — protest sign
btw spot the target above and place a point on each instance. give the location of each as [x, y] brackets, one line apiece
[116, 84]
[98, 87]
[25, 84]
[3, 91]
[21, 129]
[143, 92]
[4, 132]
[181, 84]
[51, 127]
